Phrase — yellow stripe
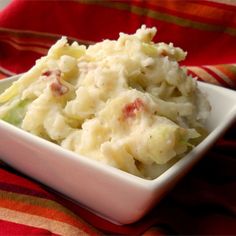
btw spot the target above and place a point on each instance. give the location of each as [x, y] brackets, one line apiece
[40, 222]
[203, 74]
[162, 16]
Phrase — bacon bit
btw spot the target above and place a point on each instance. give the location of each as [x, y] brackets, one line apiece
[130, 109]
[58, 89]
[48, 73]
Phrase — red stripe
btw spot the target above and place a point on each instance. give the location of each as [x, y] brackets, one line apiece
[197, 55]
[11, 58]
[185, 15]
[37, 38]
[14, 177]
[189, 72]
[227, 144]
[26, 191]
[101, 224]
[24, 37]
[24, 42]
[3, 74]
[10, 228]
[217, 77]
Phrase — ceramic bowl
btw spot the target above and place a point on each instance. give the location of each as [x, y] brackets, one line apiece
[113, 194]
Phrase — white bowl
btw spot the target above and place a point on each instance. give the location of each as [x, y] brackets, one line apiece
[115, 195]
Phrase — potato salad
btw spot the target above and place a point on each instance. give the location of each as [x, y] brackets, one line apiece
[126, 102]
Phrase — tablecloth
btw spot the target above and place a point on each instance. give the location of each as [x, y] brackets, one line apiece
[204, 202]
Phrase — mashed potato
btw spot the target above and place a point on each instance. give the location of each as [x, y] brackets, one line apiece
[126, 103]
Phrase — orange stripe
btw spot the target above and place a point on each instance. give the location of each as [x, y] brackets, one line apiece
[40, 207]
[53, 226]
[222, 75]
[226, 70]
[37, 210]
[2, 76]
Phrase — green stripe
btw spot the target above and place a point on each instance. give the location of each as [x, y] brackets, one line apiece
[162, 16]
[232, 69]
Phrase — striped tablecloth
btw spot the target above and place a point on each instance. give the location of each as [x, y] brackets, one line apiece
[204, 202]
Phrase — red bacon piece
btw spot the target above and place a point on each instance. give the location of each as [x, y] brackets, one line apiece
[130, 109]
[48, 73]
[58, 89]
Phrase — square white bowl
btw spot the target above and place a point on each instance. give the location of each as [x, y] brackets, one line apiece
[113, 194]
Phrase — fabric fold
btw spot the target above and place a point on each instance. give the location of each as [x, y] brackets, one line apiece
[204, 202]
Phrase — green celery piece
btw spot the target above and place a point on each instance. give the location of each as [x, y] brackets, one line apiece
[24, 81]
[16, 114]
